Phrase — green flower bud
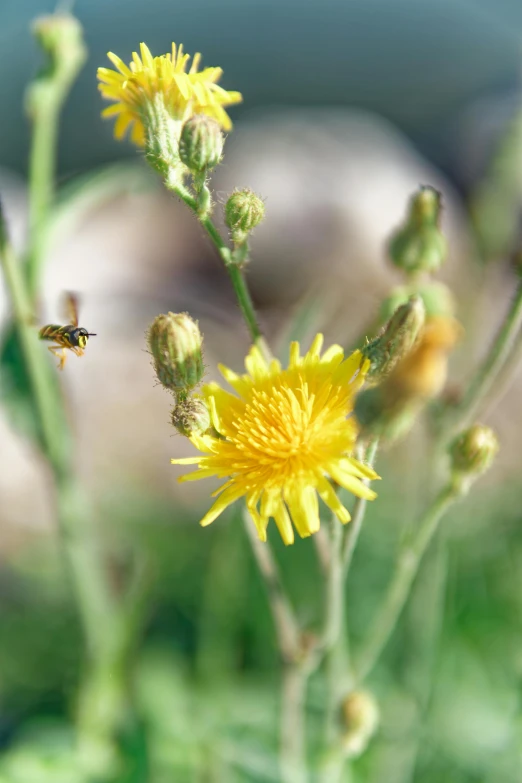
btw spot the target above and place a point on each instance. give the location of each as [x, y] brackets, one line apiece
[201, 144]
[360, 714]
[61, 38]
[243, 212]
[419, 246]
[191, 417]
[437, 298]
[472, 453]
[175, 343]
[396, 339]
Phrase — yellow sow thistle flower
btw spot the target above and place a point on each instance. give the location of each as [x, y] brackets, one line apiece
[282, 436]
[134, 87]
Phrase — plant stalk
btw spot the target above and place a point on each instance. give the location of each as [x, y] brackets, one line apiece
[400, 585]
[482, 383]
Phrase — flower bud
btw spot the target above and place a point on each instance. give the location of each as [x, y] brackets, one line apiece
[472, 452]
[201, 144]
[175, 343]
[61, 38]
[396, 340]
[243, 212]
[361, 718]
[437, 297]
[419, 246]
[191, 417]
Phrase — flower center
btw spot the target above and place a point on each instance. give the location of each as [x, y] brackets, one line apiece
[288, 429]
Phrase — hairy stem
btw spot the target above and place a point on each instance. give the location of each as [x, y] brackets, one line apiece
[234, 270]
[400, 585]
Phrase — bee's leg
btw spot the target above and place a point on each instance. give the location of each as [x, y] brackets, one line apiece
[59, 352]
[77, 350]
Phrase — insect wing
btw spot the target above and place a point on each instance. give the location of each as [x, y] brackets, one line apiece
[72, 309]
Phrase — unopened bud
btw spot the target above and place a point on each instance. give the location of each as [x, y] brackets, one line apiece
[191, 417]
[201, 144]
[436, 296]
[176, 346]
[396, 340]
[472, 453]
[361, 719]
[420, 246]
[61, 38]
[243, 212]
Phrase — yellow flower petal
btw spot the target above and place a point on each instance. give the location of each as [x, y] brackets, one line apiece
[283, 435]
[134, 87]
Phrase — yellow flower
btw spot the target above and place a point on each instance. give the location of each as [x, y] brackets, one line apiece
[282, 436]
[134, 88]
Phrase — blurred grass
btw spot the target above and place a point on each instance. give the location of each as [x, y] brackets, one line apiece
[205, 677]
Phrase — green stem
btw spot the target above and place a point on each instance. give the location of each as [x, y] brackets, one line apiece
[47, 407]
[91, 590]
[486, 374]
[235, 271]
[400, 586]
[333, 639]
[293, 728]
[292, 749]
[42, 165]
[287, 628]
[354, 527]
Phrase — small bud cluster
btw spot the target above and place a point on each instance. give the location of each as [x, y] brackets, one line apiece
[175, 343]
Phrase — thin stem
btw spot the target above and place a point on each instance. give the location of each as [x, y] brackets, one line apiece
[234, 270]
[287, 628]
[42, 165]
[295, 674]
[90, 586]
[293, 729]
[486, 374]
[400, 586]
[47, 409]
[336, 659]
[354, 528]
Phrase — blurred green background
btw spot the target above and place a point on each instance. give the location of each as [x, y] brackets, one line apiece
[348, 106]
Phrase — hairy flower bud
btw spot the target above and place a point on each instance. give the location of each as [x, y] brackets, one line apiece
[396, 339]
[361, 718]
[61, 38]
[419, 245]
[388, 410]
[191, 417]
[176, 346]
[201, 144]
[472, 453]
[243, 212]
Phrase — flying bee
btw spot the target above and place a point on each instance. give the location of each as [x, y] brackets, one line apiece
[71, 337]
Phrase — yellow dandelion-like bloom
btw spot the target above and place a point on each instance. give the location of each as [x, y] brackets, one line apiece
[134, 87]
[282, 437]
